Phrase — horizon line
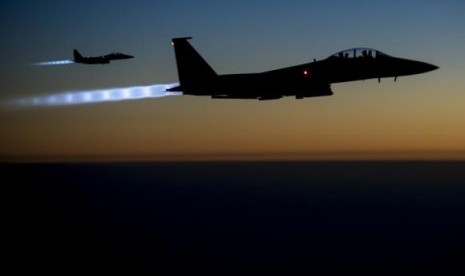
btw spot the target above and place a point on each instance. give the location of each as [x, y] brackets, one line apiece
[352, 155]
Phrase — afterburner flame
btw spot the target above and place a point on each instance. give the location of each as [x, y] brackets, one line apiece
[54, 62]
[98, 96]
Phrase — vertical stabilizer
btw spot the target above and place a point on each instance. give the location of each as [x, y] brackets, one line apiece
[193, 70]
[77, 56]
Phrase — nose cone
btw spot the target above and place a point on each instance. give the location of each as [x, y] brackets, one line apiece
[411, 67]
[426, 67]
[128, 56]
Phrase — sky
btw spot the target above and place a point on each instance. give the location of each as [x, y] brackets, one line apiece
[417, 117]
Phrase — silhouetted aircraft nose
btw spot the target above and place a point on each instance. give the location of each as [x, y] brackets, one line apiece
[426, 67]
[410, 67]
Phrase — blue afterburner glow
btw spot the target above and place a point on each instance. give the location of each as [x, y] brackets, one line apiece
[54, 62]
[98, 96]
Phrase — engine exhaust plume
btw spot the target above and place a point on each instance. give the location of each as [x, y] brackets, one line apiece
[97, 96]
[54, 62]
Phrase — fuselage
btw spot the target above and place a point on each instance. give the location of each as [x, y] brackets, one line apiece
[298, 80]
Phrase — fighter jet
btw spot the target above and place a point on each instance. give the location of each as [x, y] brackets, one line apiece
[312, 79]
[78, 58]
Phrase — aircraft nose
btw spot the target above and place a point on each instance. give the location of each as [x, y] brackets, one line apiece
[411, 67]
[429, 67]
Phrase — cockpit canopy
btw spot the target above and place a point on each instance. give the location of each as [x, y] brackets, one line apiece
[359, 53]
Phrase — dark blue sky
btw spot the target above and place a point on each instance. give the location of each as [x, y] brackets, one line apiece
[234, 36]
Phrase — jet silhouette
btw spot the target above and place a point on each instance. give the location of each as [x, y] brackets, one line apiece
[312, 79]
[78, 58]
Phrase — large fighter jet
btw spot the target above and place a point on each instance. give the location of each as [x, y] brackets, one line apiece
[78, 58]
[312, 79]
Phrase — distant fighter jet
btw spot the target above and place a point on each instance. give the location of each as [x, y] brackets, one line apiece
[78, 58]
[312, 79]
